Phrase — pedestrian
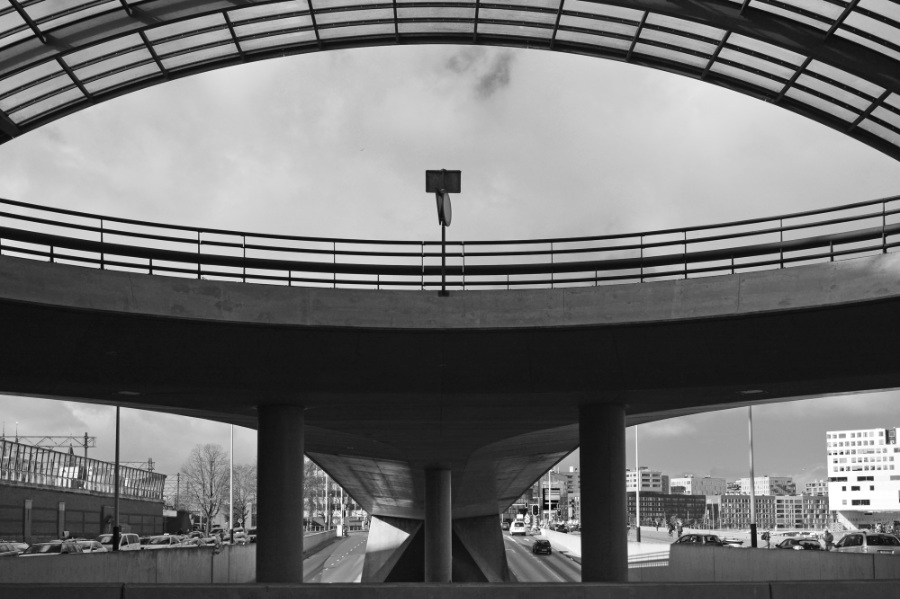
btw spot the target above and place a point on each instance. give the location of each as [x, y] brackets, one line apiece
[679, 527]
[829, 540]
[657, 525]
[767, 538]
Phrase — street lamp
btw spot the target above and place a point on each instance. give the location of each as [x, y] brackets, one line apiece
[442, 183]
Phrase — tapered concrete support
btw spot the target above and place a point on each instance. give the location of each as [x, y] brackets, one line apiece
[604, 536]
[389, 539]
[279, 548]
[481, 541]
[438, 526]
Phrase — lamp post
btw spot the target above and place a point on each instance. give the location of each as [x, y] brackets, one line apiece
[752, 482]
[442, 183]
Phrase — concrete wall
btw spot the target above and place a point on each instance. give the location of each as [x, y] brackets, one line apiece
[84, 513]
[782, 590]
[188, 565]
[721, 564]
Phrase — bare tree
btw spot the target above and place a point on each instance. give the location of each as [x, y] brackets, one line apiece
[205, 477]
[244, 491]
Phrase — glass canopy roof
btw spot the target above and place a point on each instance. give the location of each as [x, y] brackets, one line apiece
[835, 61]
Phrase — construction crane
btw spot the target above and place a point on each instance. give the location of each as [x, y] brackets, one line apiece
[58, 441]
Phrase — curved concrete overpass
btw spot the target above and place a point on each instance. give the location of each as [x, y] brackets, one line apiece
[486, 383]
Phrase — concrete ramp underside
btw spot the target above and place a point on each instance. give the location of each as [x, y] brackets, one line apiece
[395, 551]
[489, 383]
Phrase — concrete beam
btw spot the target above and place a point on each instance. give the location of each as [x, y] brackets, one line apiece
[389, 538]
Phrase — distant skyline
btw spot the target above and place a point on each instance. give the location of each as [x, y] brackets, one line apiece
[335, 144]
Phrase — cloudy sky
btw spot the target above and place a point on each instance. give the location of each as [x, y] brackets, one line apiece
[336, 144]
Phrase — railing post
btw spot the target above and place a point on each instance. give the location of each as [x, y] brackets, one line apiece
[199, 265]
[781, 242]
[685, 256]
[463, 250]
[423, 266]
[831, 251]
[334, 264]
[102, 251]
[642, 258]
[151, 265]
[52, 260]
[552, 264]
[883, 227]
[244, 264]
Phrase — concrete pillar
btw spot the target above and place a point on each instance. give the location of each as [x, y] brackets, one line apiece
[438, 526]
[279, 545]
[604, 536]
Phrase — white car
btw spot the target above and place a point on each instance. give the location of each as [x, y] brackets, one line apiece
[162, 542]
[128, 541]
[518, 528]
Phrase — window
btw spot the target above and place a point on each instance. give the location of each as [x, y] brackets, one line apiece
[860, 502]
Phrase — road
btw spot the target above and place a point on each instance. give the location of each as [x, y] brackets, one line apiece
[524, 566]
[341, 561]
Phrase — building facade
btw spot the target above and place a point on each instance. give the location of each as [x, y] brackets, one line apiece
[863, 477]
[651, 481]
[697, 485]
[664, 507]
[769, 485]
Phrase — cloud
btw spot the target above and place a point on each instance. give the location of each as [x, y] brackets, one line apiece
[490, 69]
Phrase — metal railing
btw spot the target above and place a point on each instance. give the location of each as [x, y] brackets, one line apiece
[71, 237]
[40, 466]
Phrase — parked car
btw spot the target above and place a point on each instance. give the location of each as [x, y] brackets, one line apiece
[699, 539]
[163, 542]
[541, 546]
[732, 542]
[128, 541]
[8, 549]
[800, 544]
[517, 528]
[90, 546]
[251, 535]
[57, 547]
[561, 528]
[863, 542]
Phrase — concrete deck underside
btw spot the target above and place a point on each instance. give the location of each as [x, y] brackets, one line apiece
[487, 383]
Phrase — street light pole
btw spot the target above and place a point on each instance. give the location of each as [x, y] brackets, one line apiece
[752, 482]
[637, 493]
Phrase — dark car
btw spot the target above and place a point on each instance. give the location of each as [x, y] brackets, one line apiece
[504, 525]
[541, 546]
[862, 542]
[58, 547]
[699, 539]
[800, 544]
[561, 528]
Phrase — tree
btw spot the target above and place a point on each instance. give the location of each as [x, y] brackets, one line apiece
[205, 477]
[244, 492]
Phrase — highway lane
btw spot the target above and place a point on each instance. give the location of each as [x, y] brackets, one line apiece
[342, 561]
[524, 566]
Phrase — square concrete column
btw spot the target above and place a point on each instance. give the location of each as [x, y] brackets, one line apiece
[279, 545]
[438, 526]
[604, 537]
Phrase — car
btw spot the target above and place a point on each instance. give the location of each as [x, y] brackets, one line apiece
[517, 528]
[541, 546]
[162, 542]
[864, 542]
[504, 525]
[800, 544]
[128, 541]
[561, 528]
[699, 539]
[251, 535]
[8, 549]
[91, 546]
[57, 547]
[732, 542]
